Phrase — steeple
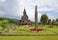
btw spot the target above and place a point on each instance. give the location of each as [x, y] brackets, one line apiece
[24, 17]
[24, 13]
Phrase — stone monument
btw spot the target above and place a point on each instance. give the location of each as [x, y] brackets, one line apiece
[36, 17]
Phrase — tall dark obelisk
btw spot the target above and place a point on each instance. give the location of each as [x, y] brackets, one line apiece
[36, 17]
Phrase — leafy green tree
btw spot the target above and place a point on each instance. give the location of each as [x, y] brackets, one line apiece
[44, 19]
[53, 22]
[4, 23]
[13, 21]
[57, 20]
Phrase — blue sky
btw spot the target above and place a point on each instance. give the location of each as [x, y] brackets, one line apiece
[14, 8]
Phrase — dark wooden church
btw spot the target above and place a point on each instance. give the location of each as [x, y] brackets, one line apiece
[24, 19]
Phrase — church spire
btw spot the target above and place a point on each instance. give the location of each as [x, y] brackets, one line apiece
[24, 12]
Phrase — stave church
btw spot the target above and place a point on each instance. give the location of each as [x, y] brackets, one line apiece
[24, 19]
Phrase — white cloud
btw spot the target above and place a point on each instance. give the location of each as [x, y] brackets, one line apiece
[30, 8]
[1, 13]
[43, 5]
[31, 15]
[51, 16]
[45, 9]
[53, 4]
[1, 1]
[17, 8]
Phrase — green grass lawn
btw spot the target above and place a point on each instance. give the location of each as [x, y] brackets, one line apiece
[25, 30]
[28, 37]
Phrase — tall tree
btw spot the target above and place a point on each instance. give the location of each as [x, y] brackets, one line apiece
[44, 19]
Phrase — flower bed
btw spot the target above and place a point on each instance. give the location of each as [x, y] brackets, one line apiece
[36, 29]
